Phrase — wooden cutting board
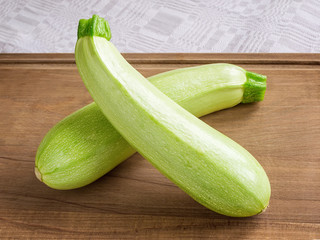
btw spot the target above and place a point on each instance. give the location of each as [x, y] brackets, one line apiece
[135, 200]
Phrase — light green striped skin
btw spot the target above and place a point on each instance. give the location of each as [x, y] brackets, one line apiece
[84, 146]
[213, 169]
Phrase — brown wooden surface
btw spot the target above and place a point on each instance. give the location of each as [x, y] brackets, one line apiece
[134, 200]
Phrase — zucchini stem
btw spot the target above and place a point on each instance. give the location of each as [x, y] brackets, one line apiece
[254, 87]
[95, 26]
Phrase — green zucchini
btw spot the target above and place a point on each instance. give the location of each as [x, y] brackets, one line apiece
[84, 146]
[213, 169]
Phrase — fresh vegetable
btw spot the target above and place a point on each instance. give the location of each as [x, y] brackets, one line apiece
[213, 169]
[84, 146]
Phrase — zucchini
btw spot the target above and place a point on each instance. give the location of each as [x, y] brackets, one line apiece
[213, 169]
[84, 146]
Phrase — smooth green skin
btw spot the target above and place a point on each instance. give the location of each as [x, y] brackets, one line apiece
[85, 146]
[213, 169]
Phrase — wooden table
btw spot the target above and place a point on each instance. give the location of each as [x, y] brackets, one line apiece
[135, 200]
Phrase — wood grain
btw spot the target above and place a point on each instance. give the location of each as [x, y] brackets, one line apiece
[134, 200]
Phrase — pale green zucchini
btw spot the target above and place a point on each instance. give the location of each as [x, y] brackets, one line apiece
[84, 146]
[213, 169]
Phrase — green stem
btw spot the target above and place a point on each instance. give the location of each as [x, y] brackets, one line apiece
[95, 26]
[254, 87]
